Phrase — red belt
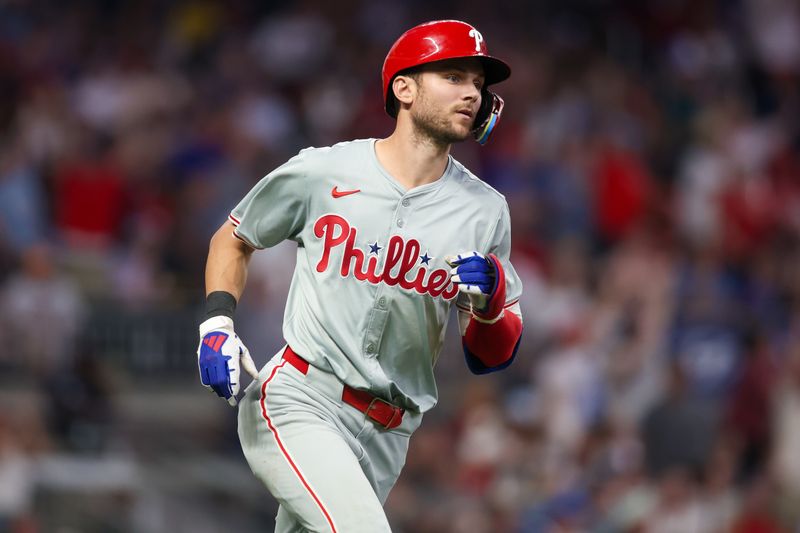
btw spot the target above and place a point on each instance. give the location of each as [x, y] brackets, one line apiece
[378, 409]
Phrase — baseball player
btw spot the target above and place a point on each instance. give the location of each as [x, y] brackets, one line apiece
[390, 234]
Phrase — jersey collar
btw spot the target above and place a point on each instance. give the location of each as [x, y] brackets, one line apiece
[422, 189]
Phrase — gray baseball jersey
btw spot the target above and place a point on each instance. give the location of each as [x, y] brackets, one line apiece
[371, 292]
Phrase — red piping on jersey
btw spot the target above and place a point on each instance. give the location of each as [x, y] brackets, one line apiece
[283, 449]
[251, 245]
[235, 221]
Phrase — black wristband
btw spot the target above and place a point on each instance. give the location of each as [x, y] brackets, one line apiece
[220, 303]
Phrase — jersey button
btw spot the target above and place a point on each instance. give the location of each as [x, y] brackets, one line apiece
[406, 202]
[382, 302]
[400, 223]
[370, 348]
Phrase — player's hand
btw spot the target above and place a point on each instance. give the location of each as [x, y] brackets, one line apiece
[220, 355]
[476, 276]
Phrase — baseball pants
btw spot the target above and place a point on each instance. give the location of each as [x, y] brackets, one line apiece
[328, 465]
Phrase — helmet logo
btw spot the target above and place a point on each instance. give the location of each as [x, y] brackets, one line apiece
[475, 34]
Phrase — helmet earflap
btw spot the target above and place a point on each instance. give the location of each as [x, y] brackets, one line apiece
[488, 116]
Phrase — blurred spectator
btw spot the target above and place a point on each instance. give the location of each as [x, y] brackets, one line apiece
[785, 416]
[720, 496]
[679, 460]
[90, 194]
[46, 122]
[23, 220]
[705, 337]
[678, 508]
[483, 439]
[558, 301]
[757, 514]
[748, 420]
[43, 313]
[622, 494]
[79, 412]
[17, 480]
[571, 391]
[622, 191]
[634, 303]
[292, 46]
[774, 26]
[138, 277]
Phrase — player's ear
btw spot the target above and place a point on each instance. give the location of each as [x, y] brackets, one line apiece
[404, 89]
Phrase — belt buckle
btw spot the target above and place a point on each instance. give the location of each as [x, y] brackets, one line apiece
[395, 411]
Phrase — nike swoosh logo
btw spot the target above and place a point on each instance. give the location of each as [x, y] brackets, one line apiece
[336, 193]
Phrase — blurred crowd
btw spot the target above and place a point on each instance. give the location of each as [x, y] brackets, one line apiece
[650, 155]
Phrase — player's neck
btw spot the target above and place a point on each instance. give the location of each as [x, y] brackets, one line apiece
[410, 160]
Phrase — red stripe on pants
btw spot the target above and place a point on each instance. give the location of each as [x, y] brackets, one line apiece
[283, 449]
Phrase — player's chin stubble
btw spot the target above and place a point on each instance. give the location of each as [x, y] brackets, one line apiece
[434, 128]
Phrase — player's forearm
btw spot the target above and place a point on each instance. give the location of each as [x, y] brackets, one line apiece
[226, 267]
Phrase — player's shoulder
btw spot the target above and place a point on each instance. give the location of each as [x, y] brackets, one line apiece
[322, 159]
[344, 148]
[470, 184]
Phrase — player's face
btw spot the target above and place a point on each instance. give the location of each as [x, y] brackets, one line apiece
[448, 98]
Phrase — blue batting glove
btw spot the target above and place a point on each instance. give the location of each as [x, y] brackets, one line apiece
[220, 355]
[475, 275]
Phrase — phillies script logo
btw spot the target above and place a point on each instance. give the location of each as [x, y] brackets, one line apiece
[401, 259]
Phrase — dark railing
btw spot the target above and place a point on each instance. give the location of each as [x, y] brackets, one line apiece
[153, 344]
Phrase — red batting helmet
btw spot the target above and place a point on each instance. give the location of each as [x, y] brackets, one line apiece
[446, 39]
